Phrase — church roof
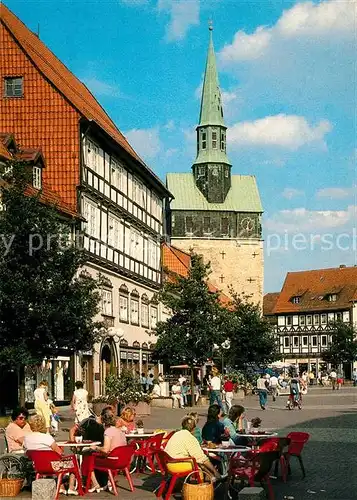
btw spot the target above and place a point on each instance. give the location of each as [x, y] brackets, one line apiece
[243, 195]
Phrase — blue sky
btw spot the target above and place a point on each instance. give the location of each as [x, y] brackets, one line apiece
[288, 76]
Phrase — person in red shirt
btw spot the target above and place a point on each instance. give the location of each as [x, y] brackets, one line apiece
[228, 387]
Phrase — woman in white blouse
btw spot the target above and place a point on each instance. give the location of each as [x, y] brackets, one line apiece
[41, 406]
[79, 403]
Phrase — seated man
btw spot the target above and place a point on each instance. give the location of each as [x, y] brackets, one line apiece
[17, 429]
[183, 444]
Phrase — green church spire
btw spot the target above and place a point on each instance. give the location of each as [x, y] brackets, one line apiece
[211, 102]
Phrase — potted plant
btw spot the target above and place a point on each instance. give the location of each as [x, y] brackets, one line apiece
[126, 390]
[101, 402]
[12, 478]
[140, 426]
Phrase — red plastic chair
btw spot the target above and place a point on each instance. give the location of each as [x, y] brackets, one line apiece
[171, 477]
[50, 463]
[254, 466]
[148, 449]
[118, 459]
[297, 443]
[277, 444]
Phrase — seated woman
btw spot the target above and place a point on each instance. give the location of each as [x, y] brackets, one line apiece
[126, 420]
[183, 444]
[197, 431]
[38, 440]
[213, 429]
[113, 437]
[233, 424]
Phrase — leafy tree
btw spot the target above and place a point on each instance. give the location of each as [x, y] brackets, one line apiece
[189, 334]
[47, 304]
[252, 338]
[343, 347]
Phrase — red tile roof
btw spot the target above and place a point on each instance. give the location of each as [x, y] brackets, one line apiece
[176, 261]
[269, 302]
[313, 288]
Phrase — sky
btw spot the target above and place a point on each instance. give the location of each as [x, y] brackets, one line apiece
[287, 73]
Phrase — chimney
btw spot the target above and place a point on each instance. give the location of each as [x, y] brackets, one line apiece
[342, 266]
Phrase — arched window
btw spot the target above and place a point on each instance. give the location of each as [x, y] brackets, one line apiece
[124, 343]
[134, 307]
[123, 304]
[144, 345]
[136, 344]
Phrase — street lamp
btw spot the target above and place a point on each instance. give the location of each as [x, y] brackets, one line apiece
[223, 347]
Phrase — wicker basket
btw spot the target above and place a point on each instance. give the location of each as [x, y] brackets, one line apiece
[10, 487]
[203, 491]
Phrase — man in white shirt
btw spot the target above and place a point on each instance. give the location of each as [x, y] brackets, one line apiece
[182, 379]
[215, 388]
[273, 386]
[333, 377]
[262, 391]
[176, 394]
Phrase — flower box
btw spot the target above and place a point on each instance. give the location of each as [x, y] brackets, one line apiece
[140, 408]
[161, 402]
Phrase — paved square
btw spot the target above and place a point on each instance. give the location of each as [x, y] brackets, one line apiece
[330, 456]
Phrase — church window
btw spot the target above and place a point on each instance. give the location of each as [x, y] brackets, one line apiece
[206, 224]
[189, 224]
[224, 225]
[223, 141]
[204, 140]
[200, 170]
[214, 140]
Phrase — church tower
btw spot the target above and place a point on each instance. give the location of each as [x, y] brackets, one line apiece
[213, 212]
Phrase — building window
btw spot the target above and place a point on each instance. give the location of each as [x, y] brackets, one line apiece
[145, 311]
[13, 87]
[304, 341]
[286, 341]
[323, 340]
[153, 316]
[338, 316]
[296, 341]
[225, 226]
[136, 245]
[309, 320]
[332, 297]
[214, 139]
[113, 232]
[189, 224]
[223, 144]
[314, 341]
[302, 320]
[37, 177]
[289, 320]
[201, 170]
[296, 299]
[204, 140]
[316, 319]
[206, 224]
[107, 302]
[123, 304]
[90, 214]
[134, 308]
[323, 319]
[116, 175]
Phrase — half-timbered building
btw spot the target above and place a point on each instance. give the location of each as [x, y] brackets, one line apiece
[95, 171]
[304, 310]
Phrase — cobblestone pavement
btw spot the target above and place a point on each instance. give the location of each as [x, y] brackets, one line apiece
[330, 456]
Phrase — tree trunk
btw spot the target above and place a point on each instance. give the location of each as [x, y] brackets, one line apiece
[192, 386]
[21, 382]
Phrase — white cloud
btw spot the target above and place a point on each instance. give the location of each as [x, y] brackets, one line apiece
[336, 193]
[228, 97]
[286, 131]
[290, 193]
[101, 88]
[303, 220]
[183, 14]
[304, 20]
[145, 141]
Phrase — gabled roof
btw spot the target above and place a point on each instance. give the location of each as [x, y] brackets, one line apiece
[318, 284]
[177, 262]
[243, 195]
[65, 81]
[269, 302]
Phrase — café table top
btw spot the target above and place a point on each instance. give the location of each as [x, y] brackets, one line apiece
[142, 435]
[259, 435]
[73, 444]
[226, 449]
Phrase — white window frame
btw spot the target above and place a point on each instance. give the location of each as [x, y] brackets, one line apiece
[153, 316]
[286, 342]
[309, 320]
[107, 302]
[324, 319]
[123, 308]
[114, 232]
[289, 320]
[316, 319]
[323, 340]
[295, 341]
[116, 174]
[134, 311]
[302, 320]
[13, 86]
[305, 341]
[145, 315]
[314, 337]
[37, 177]
[90, 213]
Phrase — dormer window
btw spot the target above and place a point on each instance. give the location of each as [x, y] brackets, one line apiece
[13, 86]
[332, 297]
[296, 299]
[214, 139]
[204, 140]
[37, 177]
[223, 141]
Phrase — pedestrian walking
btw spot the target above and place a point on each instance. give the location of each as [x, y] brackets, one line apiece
[333, 378]
[354, 377]
[262, 391]
[215, 388]
[273, 386]
[79, 403]
[228, 388]
[143, 382]
[150, 383]
[41, 406]
[161, 381]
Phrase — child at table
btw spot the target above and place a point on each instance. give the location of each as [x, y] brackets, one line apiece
[126, 421]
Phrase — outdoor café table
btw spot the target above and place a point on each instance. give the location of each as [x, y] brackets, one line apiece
[135, 435]
[255, 436]
[228, 451]
[77, 448]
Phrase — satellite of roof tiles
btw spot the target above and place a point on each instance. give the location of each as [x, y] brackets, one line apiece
[213, 212]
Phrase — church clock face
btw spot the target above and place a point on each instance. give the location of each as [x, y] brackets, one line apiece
[247, 225]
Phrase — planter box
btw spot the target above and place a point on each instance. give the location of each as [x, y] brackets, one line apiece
[140, 408]
[203, 401]
[240, 394]
[161, 403]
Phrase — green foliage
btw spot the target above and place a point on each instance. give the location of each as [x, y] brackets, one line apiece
[343, 347]
[189, 334]
[125, 388]
[46, 304]
[251, 336]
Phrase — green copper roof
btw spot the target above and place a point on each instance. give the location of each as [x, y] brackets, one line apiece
[243, 195]
[211, 103]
